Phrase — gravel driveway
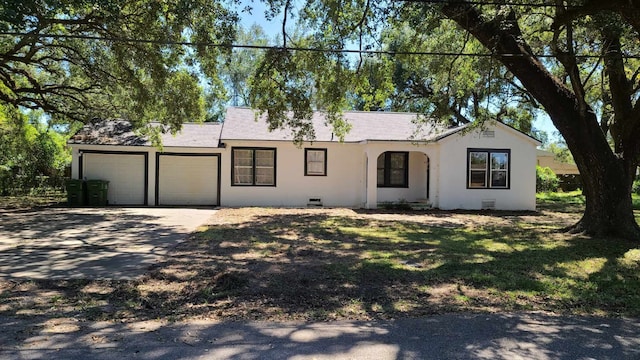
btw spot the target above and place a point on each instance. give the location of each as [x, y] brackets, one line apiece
[91, 243]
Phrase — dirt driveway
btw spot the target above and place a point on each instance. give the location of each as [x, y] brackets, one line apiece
[91, 243]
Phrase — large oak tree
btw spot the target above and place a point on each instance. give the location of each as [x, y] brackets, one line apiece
[571, 59]
[607, 170]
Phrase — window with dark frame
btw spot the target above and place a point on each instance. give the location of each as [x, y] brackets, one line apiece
[315, 162]
[393, 169]
[253, 166]
[488, 168]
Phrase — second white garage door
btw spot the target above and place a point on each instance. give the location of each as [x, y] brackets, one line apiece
[188, 179]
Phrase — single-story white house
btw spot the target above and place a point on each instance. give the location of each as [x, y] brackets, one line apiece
[386, 157]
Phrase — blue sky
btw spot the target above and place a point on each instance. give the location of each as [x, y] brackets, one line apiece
[257, 17]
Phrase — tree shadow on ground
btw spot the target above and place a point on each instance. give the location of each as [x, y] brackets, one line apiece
[460, 336]
[81, 243]
[322, 267]
[319, 266]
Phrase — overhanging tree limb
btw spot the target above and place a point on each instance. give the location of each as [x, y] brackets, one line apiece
[606, 176]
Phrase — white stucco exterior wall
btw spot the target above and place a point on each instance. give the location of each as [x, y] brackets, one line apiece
[419, 155]
[343, 185]
[350, 181]
[453, 191]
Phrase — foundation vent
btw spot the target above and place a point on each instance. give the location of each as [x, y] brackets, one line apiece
[314, 201]
[489, 204]
[488, 134]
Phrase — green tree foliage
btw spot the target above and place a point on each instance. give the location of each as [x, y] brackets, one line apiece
[451, 87]
[587, 71]
[237, 71]
[568, 60]
[51, 57]
[31, 154]
[560, 152]
[297, 82]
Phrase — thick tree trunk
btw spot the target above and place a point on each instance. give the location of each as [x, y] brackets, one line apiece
[607, 177]
[607, 189]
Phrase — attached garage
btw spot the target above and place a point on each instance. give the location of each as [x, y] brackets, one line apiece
[185, 171]
[126, 172]
[187, 179]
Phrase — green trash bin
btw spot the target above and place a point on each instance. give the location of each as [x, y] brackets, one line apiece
[75, 192]
[97, 191]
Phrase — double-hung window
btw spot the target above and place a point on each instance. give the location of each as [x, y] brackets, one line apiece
[253, 166]
[488, 168]
[315, 162]
[393, 169]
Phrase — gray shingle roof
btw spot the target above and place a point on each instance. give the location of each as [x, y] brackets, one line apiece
[194, 135]
[241, 124]
[120, 132]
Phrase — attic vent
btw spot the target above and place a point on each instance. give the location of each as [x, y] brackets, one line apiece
[315, 201]
[488, 133]
[488, 204]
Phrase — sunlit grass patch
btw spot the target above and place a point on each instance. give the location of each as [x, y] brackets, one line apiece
[582, 269]
[570, 197]
[631, 259]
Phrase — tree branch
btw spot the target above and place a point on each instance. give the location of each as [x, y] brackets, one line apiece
[360, 25]
[502, 33]
[568, 57]
[619, 88]
[628, 9]
[284, 23]
[596, 66]
[524, 93]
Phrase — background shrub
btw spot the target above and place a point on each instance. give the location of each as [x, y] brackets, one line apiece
[546, 180]
[636, 187]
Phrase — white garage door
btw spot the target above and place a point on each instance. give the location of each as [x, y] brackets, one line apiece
[125, 173]
[187, 179]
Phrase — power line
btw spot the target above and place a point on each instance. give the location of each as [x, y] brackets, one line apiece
[289, 48]
[497, 3]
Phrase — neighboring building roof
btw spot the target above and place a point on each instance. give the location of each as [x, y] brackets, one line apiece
[120, 132]
[241, 124]
[547, 159]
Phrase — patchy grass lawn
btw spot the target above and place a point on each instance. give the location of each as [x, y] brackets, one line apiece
[573, 202]
[324, 264]
[50, 198]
